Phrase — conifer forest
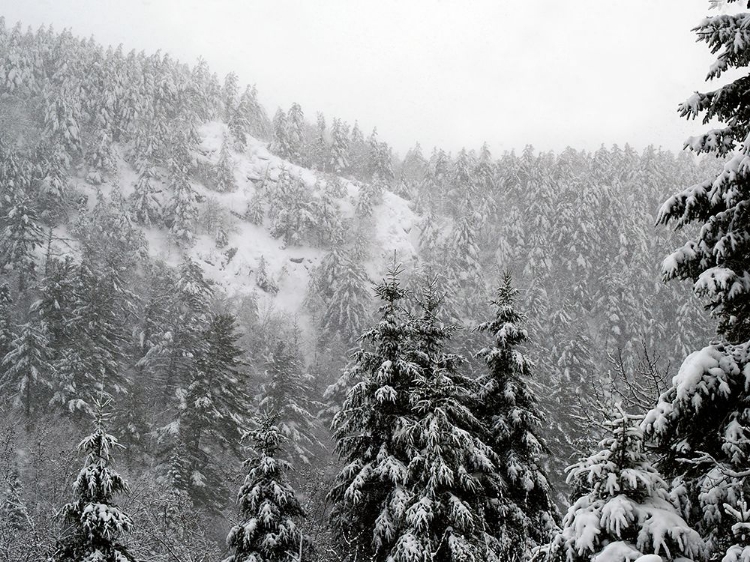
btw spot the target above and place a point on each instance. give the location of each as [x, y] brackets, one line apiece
[232, 334]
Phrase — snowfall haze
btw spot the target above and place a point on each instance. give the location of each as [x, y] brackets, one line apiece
[449, 73]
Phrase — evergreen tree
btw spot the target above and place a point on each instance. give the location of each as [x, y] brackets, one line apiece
[348, 308]
[370, 488]
[14, 514]
[96, 523]
[225, 181]
[229, 93]
[216, 402]
[100, 160]
[327, 215]
[268, 505]
[296, 134]
[320, 148]
[717, 259]
[255, 212]
[288, 392]
[182, 210]
[700, 427]
[260, 126]
[144, 205]
[358, 152]
[91, 364]
[465, 269]
[56, 302]
[508, 408]
[21, 237]
[6, 322]
[339, 159]
[451, 479]
[27, 375]
[624, 511]
[281, 145]
[701, 422]
[291, 210]
[239, 120]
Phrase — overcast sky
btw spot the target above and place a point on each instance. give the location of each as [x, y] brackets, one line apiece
[451, 73]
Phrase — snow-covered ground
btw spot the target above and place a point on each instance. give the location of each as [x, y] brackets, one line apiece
[395, 226]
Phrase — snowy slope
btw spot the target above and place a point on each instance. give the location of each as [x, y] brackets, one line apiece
[394, 226]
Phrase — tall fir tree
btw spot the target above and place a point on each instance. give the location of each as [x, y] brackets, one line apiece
[508, 408]
[22, 235]
[451, 480]
[26, 372]
[370, 489]
[269, 509]
[97, 525]
[701, 423]
[281, 145]
[287, 391]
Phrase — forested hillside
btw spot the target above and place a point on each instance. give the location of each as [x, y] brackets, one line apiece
[207, 284]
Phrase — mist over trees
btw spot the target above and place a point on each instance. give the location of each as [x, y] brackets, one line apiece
[296, 344]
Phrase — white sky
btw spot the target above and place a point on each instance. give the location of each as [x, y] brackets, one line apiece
[451, 73]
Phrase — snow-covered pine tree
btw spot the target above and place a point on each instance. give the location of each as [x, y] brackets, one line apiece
[91, 363]
[429, 236]
[144, 205]
[702, 422]
[182, 210]
[740, 550]
[26, 372]
[371, 489]
[255, 212]
[263, 279]
[96, 524]
[508, 408]
[348, 309]
[339, 158]
[56, 301]
[327, 215]
[288, 392]
[101, 162]
[216, 398]
[625, 510]
[280, 144]
[21, 237]
[465, 269]
[296, 134]
[229, 93]
[323, 278]
[225, 181]
[319, 149]
[358, 152]
[701, 429]
[62, 115]
[6, 322]
[14, 514]
[268, 506]
[259, 124]
[239, 121]
[447, 508]
[716, 260]
[291, 209]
